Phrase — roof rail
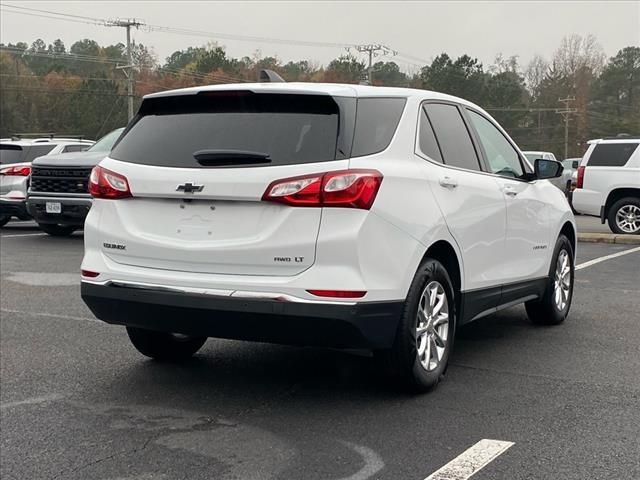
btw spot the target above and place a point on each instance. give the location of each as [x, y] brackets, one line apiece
[622, 136]
[266, 75]
[50, 135]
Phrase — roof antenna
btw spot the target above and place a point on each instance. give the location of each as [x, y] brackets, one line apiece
[269, 76]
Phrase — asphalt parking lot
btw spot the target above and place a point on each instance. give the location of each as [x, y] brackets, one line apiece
[78, 402]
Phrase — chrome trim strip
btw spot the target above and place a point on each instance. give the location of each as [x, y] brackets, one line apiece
[282, 297]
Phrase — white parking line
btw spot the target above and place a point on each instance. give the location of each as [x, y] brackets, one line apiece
[471, 461]
[606, 257]
[32, 401]
[24, 235]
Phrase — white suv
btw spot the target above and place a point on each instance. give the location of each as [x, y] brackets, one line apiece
[608, 183]
[321, 214]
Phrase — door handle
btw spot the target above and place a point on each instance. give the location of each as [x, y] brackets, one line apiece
[448, 182]
[512, 192]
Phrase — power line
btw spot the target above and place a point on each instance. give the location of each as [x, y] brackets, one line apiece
[565, 112]
[53, 13]
[372, 50]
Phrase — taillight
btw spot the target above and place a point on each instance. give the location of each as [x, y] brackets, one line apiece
[104, 183]
[89, 273]
[355, 188]
[23, 171]
[580, 177]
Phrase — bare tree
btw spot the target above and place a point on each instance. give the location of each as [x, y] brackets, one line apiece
[535, 72]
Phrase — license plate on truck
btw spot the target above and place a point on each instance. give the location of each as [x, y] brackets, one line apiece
[53, 207]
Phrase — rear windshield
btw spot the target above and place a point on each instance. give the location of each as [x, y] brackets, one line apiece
[16, 153]
[253, 129]
[611, 154]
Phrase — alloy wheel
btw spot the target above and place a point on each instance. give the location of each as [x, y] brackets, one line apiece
[432, 328]
[628, 218]
[562, 280]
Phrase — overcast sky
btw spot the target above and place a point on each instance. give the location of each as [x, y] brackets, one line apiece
[416, 29]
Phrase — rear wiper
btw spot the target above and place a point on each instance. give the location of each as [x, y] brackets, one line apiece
[218, 157]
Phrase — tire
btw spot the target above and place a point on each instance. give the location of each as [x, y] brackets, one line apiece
[57, 230]
[4, 219]
[553, 307]
[624, 216]
[164, 346]
[407, 359]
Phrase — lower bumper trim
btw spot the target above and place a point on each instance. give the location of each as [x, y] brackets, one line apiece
[361, 325]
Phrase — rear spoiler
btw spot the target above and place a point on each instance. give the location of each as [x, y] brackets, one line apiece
[269, 76]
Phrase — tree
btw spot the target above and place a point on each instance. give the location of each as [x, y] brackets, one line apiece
[615, 104]
[345, 69]
[463, 77]
[389, 74]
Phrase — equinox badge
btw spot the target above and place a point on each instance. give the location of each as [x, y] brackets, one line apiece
[189, 188]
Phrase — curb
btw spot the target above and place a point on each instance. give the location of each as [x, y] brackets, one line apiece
[609, 238]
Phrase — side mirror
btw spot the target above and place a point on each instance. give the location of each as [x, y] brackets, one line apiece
[547, 168]
[575, 164]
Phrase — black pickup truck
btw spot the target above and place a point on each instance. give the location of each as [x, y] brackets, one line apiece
[58, 197]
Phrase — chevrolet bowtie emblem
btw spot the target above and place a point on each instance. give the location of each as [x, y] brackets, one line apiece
[189, 188]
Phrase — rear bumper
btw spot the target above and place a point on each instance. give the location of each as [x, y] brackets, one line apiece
[74, 210]
[358, 325]
[13, 207]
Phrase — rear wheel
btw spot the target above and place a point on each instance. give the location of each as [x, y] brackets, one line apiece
[624, 216]
[57, 230]
[554, 305]
[424, 338]
[164, 346]
[4, 219]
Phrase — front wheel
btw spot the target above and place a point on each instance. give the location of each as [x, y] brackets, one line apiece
[4, 219]
[164, 346]
[57, 230]
[554, 305]
[624, 216]
[424, 338]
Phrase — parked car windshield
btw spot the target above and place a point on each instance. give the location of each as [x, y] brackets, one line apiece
[105, 144]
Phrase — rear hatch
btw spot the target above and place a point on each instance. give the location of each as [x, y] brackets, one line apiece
[198, 166]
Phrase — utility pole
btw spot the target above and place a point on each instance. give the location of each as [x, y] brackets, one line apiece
[565, 112]
[128, 69]
[372, 50]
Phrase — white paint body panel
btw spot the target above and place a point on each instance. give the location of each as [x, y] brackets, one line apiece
[377, 251]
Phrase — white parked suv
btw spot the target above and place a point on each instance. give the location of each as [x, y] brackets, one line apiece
[321, 214]
[608, 183]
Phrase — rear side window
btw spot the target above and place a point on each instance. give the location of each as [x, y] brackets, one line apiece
[453, 136]
[611, 154]
[376, 122]
[233, 128]
[36, 151]
[427, 139]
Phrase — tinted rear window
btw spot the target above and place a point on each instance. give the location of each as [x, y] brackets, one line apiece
[611, 154]
[17, 153]
[11, 154]
[376, 122]
[290, 129]
[453, 136]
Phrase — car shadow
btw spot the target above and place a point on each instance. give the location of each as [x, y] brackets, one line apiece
[233, 372]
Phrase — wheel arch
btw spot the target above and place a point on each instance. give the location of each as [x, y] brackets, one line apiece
[445, 253]
[568, 230]
[618, 193]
